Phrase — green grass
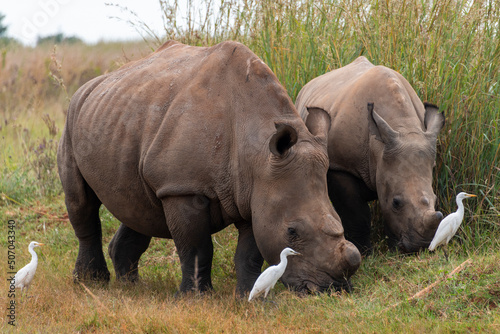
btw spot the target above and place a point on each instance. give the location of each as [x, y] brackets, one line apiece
[448, 50]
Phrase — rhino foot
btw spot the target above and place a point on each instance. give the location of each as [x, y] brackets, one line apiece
[94, 270]
[125, 250]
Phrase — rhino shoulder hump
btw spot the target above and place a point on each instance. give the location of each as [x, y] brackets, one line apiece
[362, 59]
[167, 44]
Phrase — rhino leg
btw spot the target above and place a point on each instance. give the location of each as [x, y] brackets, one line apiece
[83, 211]
[248, 260]
[188, 220]
[125, 249]
[350, 198]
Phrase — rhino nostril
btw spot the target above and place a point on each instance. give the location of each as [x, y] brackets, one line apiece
[352, 256]
[439, 216]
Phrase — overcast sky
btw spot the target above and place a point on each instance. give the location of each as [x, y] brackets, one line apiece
[88, 19]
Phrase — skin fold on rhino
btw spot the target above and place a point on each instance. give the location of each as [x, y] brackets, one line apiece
[381, 145]
[187, 141]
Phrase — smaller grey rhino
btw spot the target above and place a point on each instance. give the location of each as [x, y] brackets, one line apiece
[381, 145]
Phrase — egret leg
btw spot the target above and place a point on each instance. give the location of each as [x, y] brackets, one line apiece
[271, 300]
[445, 253]
[24, 292]
[266, 292]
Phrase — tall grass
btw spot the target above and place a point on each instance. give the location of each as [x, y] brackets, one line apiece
[35, 87]
[449, 51]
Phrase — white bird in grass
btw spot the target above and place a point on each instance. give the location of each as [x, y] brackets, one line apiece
[23, 278]
[449, 225]
[266, 281]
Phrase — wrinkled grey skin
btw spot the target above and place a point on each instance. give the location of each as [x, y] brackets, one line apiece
[187, 141]
[382, 144]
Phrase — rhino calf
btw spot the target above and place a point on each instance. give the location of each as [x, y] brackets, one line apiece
[382, 144]
[187, 141]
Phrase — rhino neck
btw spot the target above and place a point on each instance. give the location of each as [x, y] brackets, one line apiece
[242, 188]
[247, 155]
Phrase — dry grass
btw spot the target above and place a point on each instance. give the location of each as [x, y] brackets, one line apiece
[465, 301]
[35, 82]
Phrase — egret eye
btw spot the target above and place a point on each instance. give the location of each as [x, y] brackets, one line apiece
[397, 203]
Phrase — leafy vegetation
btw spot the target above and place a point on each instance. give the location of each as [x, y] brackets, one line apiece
[58, 39]
[448, 50]
[3, 28]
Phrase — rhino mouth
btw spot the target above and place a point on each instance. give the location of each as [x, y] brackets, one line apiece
[407, 242]
[412, 246]
[309, 286]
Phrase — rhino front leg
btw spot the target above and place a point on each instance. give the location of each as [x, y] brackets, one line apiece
[125, 250]
[247, 260]
[350, 198]
[188, 220]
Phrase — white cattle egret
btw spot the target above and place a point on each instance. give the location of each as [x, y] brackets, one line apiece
[24, 276]
[449, 225]
[270, 276]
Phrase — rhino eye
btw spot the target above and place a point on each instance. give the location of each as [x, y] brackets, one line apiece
[292, 233]
[397, 203]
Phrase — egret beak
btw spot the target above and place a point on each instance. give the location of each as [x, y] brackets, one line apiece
[470, 195]
[296, 253]
[39, 244]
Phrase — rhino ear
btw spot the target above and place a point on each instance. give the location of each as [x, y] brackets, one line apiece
[387, 135]
[284, 138]
[318, 122]
[434, 120]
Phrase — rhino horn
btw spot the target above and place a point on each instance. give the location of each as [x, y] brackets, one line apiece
[318, 122]
[433, 121]
[388, 136]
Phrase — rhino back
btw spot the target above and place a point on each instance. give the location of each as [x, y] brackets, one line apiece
[169, 125]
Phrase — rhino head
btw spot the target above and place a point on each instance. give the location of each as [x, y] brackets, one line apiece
[404, 180]
[291, 208]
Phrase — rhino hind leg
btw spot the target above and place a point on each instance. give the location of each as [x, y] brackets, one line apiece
[83, 211]
[247, 260]
[188, 220]
[125, 250]
[350, 197]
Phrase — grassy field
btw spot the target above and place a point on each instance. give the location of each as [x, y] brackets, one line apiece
[449, 51]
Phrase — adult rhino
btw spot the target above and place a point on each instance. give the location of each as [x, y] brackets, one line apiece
[187, 141]
[382, 144]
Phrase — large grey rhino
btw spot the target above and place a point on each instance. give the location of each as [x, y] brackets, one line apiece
[187, 141]
[382, 144]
